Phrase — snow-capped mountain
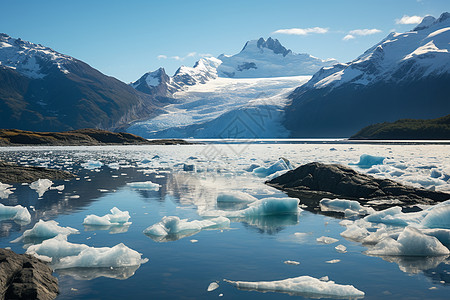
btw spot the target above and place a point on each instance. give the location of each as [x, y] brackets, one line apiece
[216, 91]
[268, 58]
[406, 75]
[41, 89]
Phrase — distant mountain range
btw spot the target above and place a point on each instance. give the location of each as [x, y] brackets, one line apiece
[41, 89]
[406, 75]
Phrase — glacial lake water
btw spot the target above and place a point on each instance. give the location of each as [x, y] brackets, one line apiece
[252, 249]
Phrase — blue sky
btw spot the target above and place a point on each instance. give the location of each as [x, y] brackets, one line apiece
[125, 39]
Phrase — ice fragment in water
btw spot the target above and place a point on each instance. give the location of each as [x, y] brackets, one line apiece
[349, 207]
[92, 164]
[280, 165]
[17, 213]
[326, 240]
[302, 285]
[145, 185]
[212, 286]
[46, 230]
[366, 161]
[291, 262]
[333, 261]
[116, 217]
[5, 190]
[235, 197]
[41, 186]
[341, 248]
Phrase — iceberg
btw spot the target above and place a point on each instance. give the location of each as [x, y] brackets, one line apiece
[41, 186]
[346, 206]
[43, 230]
[302, 286]
[64, 254]
[366, 161]
[172, 228]
[212, 286]
[92, 164]
[410, 242]
[116, 217]
[18, 213]
[5, 190]
[235, 197]
[437, 217]
[281, 165]
[145, 185]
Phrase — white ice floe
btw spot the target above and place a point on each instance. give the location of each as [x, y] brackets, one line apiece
[281, 165]
[235, 197]
[326, 240]
[5, 190]
[116, 217]
[349, 207]
[64, 254]
[41, 186]
[17, 213]
[46, 230]
[341, 248]
[212, 286]
[305, 285]
[145, 185]
[410, 242]
[366, 161]
[263, 207]
[92, 164]
[174, 228]
[291, 262]
[333, 261]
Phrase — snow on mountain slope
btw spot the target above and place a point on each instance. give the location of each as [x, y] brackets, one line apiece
[399, 57]
[31, 60]
[268, 58]
[219, 105]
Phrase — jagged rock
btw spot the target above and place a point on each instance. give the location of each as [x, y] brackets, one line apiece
[25, 277]
[12, 173]
[315, 181]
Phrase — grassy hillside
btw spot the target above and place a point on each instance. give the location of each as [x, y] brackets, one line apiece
[407, 129]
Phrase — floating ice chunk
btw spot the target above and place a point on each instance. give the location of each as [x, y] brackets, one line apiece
[326, 240]
[5, 190]
[41, 186]
[391, 216]
[235, 197]
[17, 213]
[263, 207]
[443, 235]
[324, 278]
[333, 261]
[341, 248]
[212, 286]
[349, 207]
[291, 262]
[174, 228]
[437, 217]
[46, 230]
[92, 164]
[302, 285]
[145, 185]
[58, 187]
[355, 232]
[280, 165]
[366, 161]
[69, 255]
[116, 217]
[410, 242]
[120, 273]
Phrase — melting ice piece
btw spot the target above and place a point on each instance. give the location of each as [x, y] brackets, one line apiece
[302, 285]
[341, 248]
[326, 240]
[116, 217]
[69, 255]
[280, 165]
[263, 207]
[333, 261]
[41, 186]
[5, 190]
[46, 230]
[174, 228]
[17, 213]
[145, 185]
[291, 262]
[437, 217]
[366, 161]
[235, 197]
[92, 164]
[212, 286]
[410, 242]
[346, 206]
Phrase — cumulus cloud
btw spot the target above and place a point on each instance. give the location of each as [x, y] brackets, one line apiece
[360, 32]
[162, 56]
[301, 31]
[409, 20]
[181, 58]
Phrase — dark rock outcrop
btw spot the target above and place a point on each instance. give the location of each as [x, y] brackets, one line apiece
[81, 137]
[314, 181]
[12, 173]
[25, 277]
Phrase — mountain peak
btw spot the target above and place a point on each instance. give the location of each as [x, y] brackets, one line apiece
[270, 43]
[429, 21]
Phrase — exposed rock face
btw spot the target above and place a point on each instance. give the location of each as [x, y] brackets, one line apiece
[25, 277]
[12, 173]
[314, 181]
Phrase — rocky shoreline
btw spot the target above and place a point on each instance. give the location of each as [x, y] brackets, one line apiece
[12, 173]
[81, 137]
[23, 276]
[315, 181]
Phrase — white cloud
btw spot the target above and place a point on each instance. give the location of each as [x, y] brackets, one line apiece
[176, 57]
[364, 31]
[192, 54]
[301, 31]
[182, 58]
[162, 56]
[409, 20]
[348, 37]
